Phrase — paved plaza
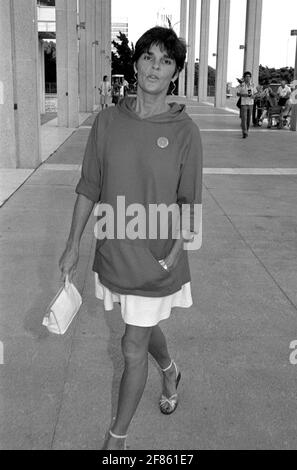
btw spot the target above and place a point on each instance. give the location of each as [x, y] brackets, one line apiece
[238, 386]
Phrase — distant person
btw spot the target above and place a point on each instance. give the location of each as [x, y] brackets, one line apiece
[116, 92]
[126, 87]
[246, 91]
[258, 105]
[105, 92]
[283, 93]
[269, 100]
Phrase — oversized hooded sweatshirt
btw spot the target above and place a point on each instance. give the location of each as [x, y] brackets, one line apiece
[146, 162]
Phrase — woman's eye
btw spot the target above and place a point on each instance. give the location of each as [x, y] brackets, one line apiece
[147, 57]
[167, 61]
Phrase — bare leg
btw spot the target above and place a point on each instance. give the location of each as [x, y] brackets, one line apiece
[158, 349]
[135, 350]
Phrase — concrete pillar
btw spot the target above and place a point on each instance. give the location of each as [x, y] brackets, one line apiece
[293, 126]
[295, 70]
[183, 34]
[102, 50]
[204, 47]
[41, 76]
[105, 50]
[86, 45]
[98, 47]
[108, 39]
[8, 157]
[253, 38]
[90, 40]
[222, 53]
[191, 48]
[19, 85]
[67, 63]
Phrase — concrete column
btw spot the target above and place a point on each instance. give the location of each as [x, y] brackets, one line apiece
[183, 34]
[41, 77]
[222, 53]
[105, 50]
[253, 38]
[98, 47]
[67, 63]
[19, 85]
[204, 47]
[294, 97]
[295, 70]
[191, 48]
[108, 39]
[86, 45]
[8, 156]
[82, 64]
[90, 40]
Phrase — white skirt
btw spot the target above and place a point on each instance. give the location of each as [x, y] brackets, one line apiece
[144, 311]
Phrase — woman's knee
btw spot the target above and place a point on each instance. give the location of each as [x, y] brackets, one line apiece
[135, 347]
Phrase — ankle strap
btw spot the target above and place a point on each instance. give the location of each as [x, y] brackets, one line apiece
[167, 368]
[116, 436]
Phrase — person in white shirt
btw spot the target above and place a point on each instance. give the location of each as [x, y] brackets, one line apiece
[246, 91]
[126, 87]
[105, 92]
[284, 93]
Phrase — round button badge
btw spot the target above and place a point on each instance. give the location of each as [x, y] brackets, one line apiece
[163, 142]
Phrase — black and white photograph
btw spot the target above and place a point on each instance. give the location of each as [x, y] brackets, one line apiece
[148, 240]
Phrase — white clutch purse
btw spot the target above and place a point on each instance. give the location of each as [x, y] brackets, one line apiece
[62, 309]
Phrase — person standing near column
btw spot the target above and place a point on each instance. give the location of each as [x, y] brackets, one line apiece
[105, 92]
[246, 91]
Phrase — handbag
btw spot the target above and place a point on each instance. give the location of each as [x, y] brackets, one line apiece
[238, 104]
[62, 309]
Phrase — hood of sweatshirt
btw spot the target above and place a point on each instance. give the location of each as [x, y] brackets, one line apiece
[177, 112]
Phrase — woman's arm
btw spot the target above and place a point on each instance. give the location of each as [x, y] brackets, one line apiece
[189, 194]
[81, 213]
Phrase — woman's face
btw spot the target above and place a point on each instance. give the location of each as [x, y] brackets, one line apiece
[247, 79]
[155, 70]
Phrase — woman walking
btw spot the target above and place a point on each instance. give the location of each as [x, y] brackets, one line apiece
[150, 153]
[105, 92]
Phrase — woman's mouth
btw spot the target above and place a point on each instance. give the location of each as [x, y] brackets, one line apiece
[152, 78]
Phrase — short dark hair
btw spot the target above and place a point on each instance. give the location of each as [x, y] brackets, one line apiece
[104, 77]
[165, 38]
[247, 73]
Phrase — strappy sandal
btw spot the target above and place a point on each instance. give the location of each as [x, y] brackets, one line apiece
[116, 436]
[168, 405]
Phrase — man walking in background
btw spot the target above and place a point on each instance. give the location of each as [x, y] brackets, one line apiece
[246, 91]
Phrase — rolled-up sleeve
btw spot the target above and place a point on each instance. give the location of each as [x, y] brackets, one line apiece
[90, 181]
[189, 194]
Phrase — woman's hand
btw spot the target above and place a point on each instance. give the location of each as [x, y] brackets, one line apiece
[69, 259]
[172, 259]
[68, 262]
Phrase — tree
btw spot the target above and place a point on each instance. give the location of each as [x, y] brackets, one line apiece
[122, 58]
[275, 75]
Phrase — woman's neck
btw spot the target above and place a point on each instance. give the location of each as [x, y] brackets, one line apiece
[149, 105]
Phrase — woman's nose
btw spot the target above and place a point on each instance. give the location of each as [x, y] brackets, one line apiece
[156, 64]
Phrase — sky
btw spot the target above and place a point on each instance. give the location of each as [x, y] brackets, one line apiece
[278, 19]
